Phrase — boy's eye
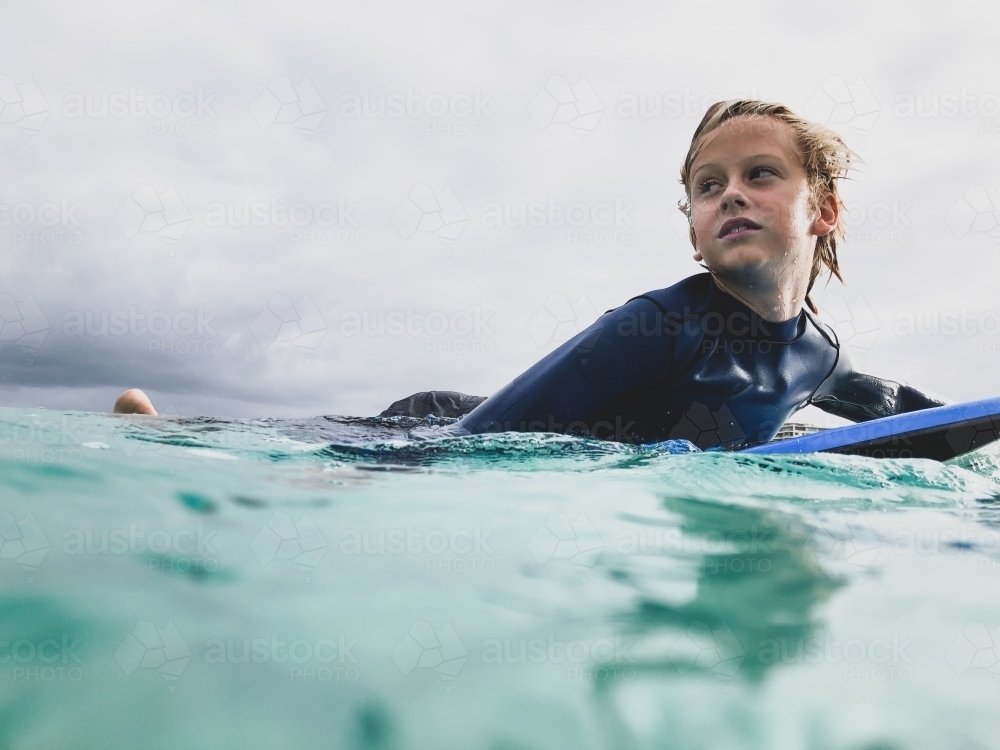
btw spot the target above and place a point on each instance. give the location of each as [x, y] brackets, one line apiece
[757, 171]
[705, 186]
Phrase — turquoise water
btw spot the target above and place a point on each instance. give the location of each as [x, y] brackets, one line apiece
[337, 583]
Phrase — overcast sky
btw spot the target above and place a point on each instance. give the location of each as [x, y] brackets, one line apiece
[219, 205]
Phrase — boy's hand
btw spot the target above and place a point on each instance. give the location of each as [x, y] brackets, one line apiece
[134, 401]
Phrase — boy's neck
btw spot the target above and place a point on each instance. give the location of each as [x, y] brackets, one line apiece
[773, 304]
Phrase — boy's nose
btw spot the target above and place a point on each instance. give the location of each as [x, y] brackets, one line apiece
[732, 197]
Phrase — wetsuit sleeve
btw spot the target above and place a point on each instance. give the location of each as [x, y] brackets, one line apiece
[860, 397]
[564, 389]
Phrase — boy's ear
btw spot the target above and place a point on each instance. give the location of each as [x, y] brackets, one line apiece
[694, 244]
[829, 213]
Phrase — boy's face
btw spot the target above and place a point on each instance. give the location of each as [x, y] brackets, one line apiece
[751, 215]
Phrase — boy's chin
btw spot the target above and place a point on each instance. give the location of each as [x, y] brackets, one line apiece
[740, 262]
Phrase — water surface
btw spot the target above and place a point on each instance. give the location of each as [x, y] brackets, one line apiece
[356, 583]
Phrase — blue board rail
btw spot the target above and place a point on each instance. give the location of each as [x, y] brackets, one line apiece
[940, 433]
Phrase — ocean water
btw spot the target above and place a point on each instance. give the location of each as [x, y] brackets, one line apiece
[357, 583]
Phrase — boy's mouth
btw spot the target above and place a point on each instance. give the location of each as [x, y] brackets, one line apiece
[736, 228]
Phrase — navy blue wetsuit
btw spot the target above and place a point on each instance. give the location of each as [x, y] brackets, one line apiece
[689, 362]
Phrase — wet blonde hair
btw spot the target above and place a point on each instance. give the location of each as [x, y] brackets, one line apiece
[825, 157]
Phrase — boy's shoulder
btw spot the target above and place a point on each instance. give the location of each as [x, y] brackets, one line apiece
[826, 331]
[692, 293]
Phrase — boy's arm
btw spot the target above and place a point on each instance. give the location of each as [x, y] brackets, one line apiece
[860, 397]
[564, 389]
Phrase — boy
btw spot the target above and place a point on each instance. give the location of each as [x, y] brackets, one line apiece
[722, 358]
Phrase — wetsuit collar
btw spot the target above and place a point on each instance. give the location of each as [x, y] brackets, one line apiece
[787, 330]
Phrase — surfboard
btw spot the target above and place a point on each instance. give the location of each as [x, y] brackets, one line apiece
[940, 433]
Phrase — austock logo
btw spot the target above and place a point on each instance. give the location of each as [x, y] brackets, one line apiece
[560, 319]
[283, 322]
[296, 104]
[561, 538]
[424, 647]
[601, 223]
[148, 647]
[847, 541]
[424, 211]
[299, 542]
[976, 212]
[46, 660]
[23, 324]
[319, 660]
[560, 101]
[23, 541]
[980, 430]
[193, 113]
[23, 105]
[676, 104]
[134, 437]
[329, 222]
[853, 321]
[976, 647]
[148, 212]
[57, 220]
[458, 114]
[706, 428]
[838, 102]
[702, 647]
